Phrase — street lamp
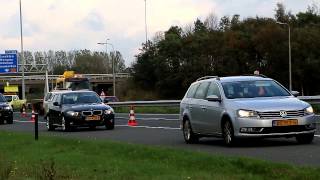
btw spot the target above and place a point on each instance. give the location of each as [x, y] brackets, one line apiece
[290, 76]
[145, 20]
[113, 73]
[22, 55]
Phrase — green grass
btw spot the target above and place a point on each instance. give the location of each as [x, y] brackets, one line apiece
[57, 158]
[148, 110]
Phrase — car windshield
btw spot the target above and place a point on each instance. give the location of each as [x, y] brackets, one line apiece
[252, 89]
[8, 98]
[80, 98]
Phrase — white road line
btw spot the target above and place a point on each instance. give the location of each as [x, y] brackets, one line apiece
[28, 121]
[150, 119]
[317, 135]
[149, 127]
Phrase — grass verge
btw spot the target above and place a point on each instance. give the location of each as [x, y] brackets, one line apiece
[58, 158]
[148, 110]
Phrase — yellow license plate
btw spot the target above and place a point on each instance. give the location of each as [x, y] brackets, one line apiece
[289, 122]
[92, 118]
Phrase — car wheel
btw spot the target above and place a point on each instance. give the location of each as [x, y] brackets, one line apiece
[10, 120]
[305, 138]
[110, 124]
[65, 124]
[49, 125]
[228, 133]
[189, 136]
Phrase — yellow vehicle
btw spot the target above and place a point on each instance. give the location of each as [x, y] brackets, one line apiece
[14, 101]
[71, 81]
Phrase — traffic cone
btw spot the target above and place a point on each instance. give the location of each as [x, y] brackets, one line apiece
[132, 120]
[23, 112]
[33, 116]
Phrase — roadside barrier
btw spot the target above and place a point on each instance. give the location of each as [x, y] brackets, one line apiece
[132, 120]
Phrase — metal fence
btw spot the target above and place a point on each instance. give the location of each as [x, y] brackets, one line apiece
[309, 99]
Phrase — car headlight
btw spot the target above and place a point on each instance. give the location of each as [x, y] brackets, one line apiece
[308, 110]
[247, 113]
[7, 108]
[72, 113]
[109, 111]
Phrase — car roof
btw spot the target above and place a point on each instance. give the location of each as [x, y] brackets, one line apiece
[69, 91]
[237, 78]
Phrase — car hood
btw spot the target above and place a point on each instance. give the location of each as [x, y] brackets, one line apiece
[85, 107]
[269, 104]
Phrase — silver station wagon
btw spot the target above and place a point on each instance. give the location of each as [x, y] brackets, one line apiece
[243, 107]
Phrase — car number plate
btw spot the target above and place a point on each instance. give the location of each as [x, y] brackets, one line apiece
[92, 118]
[289, 122]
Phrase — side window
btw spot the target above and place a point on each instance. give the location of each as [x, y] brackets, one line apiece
[213, 90]
[48, 96]
[192, 90]
[56, 98]
[201, 91]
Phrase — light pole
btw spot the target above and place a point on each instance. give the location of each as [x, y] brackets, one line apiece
[22, 55]
[290, 76]
[145, 20]
[113, 69]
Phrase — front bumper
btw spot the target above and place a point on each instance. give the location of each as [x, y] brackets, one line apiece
[80, 121]
[255, 127]
[6, 114]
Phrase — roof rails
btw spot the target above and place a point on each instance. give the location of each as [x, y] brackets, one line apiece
[258, 75]
[208, 77]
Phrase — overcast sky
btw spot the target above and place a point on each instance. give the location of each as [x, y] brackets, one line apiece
[81, 24]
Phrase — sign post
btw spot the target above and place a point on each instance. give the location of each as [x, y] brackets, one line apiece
[8, 63]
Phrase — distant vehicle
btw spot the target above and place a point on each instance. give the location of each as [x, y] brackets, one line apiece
[71, 81]
[244, 107]
[6, 112]
[107, 99]
[77, 109]
[14, 101]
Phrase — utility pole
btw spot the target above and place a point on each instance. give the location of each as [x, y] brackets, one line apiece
[145, 20]
[22, 54]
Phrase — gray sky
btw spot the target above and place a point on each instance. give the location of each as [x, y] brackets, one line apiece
[81, 24]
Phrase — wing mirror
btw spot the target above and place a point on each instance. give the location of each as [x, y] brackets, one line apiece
[56, 104]
[213, 98]
[105, 100]
[295, 93]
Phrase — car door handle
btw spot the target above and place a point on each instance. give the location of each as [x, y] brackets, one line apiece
[203, 108]
[190, 107]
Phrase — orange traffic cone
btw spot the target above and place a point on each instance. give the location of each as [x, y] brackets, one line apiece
[33, 116]
[132, 120]
[23, 112]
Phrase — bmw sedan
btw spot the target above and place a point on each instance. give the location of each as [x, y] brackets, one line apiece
[72, 109]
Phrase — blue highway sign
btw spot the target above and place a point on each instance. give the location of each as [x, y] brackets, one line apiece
[8, 63]
[11, 52]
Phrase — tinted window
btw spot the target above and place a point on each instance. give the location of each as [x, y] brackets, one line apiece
[201, 91]
[213, 89]
[252, 89]
[2, 99]
[8, 98]
[192, 90]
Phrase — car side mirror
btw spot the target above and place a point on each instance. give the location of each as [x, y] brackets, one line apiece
[56, 104]
[295, 93]
[213, 98]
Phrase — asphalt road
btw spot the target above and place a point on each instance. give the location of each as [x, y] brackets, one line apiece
[163, 130]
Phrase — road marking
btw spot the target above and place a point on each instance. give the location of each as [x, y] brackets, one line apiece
[317, 135]
[151, 119]
[28, 121]
[149, 127]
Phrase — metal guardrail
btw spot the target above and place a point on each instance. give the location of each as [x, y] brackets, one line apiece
[309, 99]
[54, 77]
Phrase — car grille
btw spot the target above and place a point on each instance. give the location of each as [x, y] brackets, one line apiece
[87, 113]
[276, 114]
[97, 112]
[90, 113]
